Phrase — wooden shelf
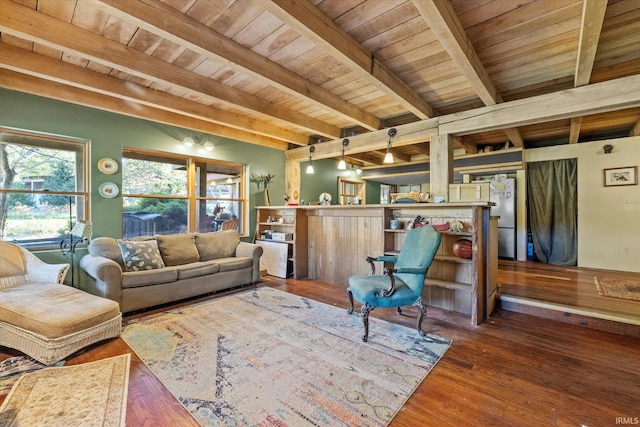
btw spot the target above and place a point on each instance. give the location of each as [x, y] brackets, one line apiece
[290, 242]
[453, 258]
[467, 287]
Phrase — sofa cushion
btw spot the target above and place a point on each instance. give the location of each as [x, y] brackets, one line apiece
[54, 310]
[196, 269]
[13, 267]
[106, 247]
[178, 249]
[135, 279]
[139, 255]
[234, 263]
[216, 245]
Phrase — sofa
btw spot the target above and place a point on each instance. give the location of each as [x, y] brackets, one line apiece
[42, 317]
[148, 271]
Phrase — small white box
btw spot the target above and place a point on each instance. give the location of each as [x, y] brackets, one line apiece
[281, 236]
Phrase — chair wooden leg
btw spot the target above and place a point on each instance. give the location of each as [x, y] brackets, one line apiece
[423, 313]
[350, 295]
[366, 308]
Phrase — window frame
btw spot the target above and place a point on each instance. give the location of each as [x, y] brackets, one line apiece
[62, 143]
[192, 198]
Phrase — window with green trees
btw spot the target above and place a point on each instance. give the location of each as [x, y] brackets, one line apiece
[170, 194]
[42, 186]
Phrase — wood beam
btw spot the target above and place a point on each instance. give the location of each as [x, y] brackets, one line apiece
[590, 28]
[408, 134]
[465, 142]
[423, 148]
[574, 132]
[595, 98]
[159, 18]
[61, 92]
[29, 24]
[635, 130]
[444, 23]
[310, 22]
[30, 63]
[441, 166]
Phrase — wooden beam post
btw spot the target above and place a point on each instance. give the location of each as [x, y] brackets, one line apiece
[292, 180]
[441, 167]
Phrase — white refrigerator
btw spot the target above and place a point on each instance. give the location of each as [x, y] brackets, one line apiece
[503, 194]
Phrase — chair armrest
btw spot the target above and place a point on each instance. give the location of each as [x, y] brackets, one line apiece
[385, 258]
[254, 252]
[39, 271]
[412, 270]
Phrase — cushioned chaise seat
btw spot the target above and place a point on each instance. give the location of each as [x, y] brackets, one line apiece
[52, 310]
[42, 317]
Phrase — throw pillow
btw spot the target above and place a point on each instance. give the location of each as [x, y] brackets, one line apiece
[178, 249]
[140, 255]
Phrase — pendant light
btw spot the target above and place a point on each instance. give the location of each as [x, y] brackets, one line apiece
[343, 165]
[310, 165]
[388, 158]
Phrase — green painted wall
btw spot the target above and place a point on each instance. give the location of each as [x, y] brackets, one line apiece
[109, 133]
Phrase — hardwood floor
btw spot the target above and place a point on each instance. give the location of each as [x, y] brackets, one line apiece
[514, 369]
[570, 290]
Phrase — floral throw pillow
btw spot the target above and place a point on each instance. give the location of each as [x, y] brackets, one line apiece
[140, 255]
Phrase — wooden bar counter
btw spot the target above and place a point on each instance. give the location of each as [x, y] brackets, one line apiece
[330, 243]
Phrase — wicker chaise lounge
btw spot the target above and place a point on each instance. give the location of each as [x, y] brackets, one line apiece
[44, 318]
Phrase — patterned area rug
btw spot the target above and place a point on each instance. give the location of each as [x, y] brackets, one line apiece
[625, 289]
[12, 368]
[268, 358]
[91, 394]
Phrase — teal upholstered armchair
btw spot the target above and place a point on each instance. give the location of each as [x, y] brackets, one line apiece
[400, 285]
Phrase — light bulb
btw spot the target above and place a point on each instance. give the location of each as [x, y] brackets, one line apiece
[310, 169]
[342, 165]
[188, 141]
[208, 146]
[388, 158]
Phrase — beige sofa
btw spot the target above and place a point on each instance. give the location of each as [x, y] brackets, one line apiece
[132, 274]
[44, 318]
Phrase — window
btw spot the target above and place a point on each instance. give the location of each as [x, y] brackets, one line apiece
[170, 194]
[43, 186]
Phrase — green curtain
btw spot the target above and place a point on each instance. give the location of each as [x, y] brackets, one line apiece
[552, 198]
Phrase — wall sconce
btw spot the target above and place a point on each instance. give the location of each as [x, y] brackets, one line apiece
[356, 169]
[343, 165]
[310, 166]
[608, 149]
[388, 158]
[190, 141]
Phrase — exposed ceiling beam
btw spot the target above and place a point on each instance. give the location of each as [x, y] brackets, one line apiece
[26, 23]
[158, 18]
[314, 25]
[593, 12]
[36, 65]
[595, 98]
[444, 23]
[635, 130]
[54, 90]
[423, 147]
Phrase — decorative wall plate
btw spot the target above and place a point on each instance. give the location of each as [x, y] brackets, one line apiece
[108, 190]
[108, 166]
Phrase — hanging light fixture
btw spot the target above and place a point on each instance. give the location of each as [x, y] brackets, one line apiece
[188, 141]
[310, 165]
[388, 158]
[343, 165]
[208, 145]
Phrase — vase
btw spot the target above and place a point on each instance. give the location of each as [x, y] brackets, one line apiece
[267, 201]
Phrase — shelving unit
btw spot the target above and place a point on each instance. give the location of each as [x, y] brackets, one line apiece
[286, 219]
[452, 283]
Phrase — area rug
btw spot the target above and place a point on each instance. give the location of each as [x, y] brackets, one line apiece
[265, 357]
[625, 289]
[12, 368]
[91, 394]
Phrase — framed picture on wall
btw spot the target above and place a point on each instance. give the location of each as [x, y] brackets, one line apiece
[621, 176]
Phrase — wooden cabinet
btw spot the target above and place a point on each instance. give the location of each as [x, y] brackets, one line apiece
[286, 225]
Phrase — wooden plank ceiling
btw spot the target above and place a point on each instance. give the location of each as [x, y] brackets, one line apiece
[287, 73]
